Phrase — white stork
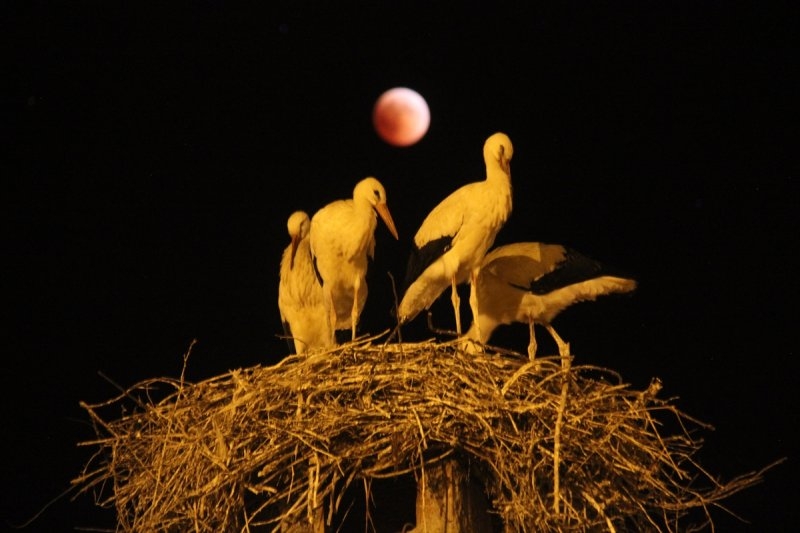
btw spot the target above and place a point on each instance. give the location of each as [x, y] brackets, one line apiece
[342, 241]
[300, 300]
[532, 282]
[452, 240]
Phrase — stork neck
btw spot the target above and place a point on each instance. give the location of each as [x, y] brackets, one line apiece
[495, 173]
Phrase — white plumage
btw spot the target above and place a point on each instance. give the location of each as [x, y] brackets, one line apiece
[452, 240]
[532, 282]
[342, 241]
[300, 296]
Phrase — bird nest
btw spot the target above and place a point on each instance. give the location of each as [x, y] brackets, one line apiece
[556, 447]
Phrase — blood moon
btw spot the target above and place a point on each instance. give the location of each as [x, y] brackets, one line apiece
[401, 116]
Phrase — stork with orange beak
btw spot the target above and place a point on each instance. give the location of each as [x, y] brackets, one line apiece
[450, 244]
[342, 241]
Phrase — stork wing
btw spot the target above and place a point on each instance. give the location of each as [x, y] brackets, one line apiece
[446, 218]
[573, 268]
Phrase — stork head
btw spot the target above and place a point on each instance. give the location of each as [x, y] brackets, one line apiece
[371, 190]
[498, 148]
[298, 225]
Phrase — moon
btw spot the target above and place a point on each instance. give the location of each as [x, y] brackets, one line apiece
[401, 116]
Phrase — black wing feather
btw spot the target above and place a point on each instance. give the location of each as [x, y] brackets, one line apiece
[287, 331]
[574, 268]
[316, 270]
[421, 258]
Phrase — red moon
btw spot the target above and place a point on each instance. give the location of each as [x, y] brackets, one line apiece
[401, 116]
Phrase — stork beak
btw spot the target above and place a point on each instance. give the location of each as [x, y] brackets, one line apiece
[505, 162]
[383, 211]
[295, 243]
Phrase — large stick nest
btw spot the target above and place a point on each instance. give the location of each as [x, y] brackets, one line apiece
[263, 445]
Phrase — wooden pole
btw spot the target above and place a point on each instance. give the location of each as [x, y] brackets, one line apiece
[449, 500]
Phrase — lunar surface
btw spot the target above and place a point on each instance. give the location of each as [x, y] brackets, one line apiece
[401, 116]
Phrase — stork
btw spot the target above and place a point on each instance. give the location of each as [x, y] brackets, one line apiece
[451, 241]
[342, 240]
[300, 300]
[532, 282]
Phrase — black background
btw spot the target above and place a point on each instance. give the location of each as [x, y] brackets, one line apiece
[151, 156]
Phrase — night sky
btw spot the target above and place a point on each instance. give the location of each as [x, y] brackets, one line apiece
[154, 155]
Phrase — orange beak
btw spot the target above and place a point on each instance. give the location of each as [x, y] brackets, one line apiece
[505, 162]
[383, 211]
[295, 243]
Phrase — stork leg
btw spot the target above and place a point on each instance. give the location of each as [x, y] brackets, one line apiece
[456, 303]
[532, 342]
[563, 347]
[354, 311]
[331, 314]
[473, 301]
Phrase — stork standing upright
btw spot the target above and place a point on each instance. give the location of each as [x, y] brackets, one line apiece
[342, 240]
[532, 282]
[450, 243]
[300, 298]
